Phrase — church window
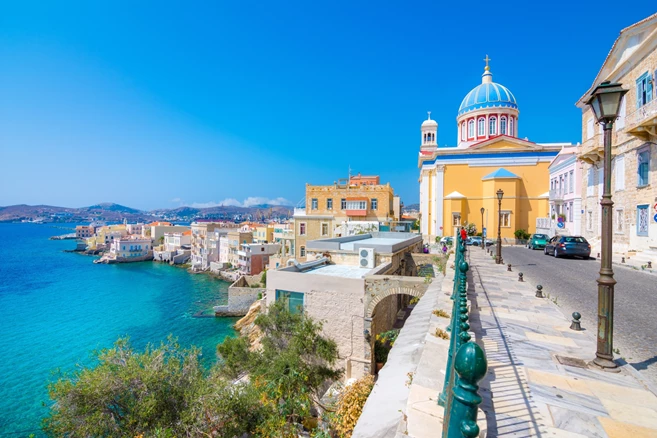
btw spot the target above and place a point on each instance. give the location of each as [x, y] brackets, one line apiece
[511, 127]
[492, 126]
[463, 137]
[503, 125]
[481, 127]
[470, 128]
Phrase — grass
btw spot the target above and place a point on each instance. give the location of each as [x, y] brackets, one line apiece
[442, 334]
[440, 313]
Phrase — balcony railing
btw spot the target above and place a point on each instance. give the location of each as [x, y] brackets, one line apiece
[643, 121]
[556, 195]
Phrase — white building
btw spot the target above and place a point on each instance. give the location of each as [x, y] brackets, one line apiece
[130, 247]
[175, 241]
[135, 228]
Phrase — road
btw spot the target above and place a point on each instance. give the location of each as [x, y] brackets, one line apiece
[571, 282]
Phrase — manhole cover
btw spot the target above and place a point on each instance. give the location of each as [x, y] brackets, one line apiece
[571, 361]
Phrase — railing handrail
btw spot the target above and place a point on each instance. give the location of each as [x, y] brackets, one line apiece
[466, 361]
[640, 113]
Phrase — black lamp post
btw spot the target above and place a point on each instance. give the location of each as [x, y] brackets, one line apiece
[483, 238]
[498, 256]
[605, 102]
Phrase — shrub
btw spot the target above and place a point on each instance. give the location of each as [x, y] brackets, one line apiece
[470, 228]
[350, 405]
[383, 344]
[521, 234]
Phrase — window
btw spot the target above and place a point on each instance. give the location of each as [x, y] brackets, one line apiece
[343, 204]
[492, 126]
[619, 172]
[292, 300]
[463, 137]
[505, 219]
[313, 204]
[374, 204]
[302, 251]
[302, 229]
[620, 122]
[619, 219]
[643, 166]
[571, 188]
[642, 218]
[565, 183]
[643, 90]
[470, 128]
[456, 219]
[590, 181]
[325, 230]
[589, 129]
[570, 212]
[356, 205]
[511, 127]
[503, 125]
[481, 127]
[589, 220]
[329, 204]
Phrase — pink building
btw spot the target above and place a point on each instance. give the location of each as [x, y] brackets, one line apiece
[566, 193]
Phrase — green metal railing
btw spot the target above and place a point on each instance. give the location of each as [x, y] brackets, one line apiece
[466, 362]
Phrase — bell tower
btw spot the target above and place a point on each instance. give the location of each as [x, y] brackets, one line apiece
[429, 131]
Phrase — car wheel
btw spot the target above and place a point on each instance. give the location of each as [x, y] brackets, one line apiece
[545, 251]
[556, 254]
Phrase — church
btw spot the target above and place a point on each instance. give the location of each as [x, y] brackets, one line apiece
[457, 182]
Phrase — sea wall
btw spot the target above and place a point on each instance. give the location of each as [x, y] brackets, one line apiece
[241, 295]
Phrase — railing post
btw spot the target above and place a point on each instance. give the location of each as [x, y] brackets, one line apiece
[458, 325]
[471, 366]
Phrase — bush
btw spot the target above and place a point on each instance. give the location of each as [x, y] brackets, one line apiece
[350, 405]
[521, 234]
[383, 344]
[470, 228]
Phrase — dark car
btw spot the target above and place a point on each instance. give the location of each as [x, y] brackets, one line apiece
[537, 241]
[560, 246]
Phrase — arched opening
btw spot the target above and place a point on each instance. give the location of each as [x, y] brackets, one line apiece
[471, 128]
[481, 127]
[492, 126]
[503, 125]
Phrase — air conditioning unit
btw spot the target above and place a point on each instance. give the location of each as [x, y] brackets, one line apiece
[366, 258]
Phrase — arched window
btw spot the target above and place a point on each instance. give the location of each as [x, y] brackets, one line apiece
[492, 126]
[511, 127]
[424, 138]
[481, 127]
[503, 125]
[470, 128]
[463, 133]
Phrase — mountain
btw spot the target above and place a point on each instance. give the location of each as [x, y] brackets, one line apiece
[111, 212]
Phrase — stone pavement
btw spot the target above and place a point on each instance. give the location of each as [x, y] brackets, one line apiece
[538, 382]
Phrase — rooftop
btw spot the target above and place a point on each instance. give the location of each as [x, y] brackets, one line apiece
[382, 242]
[344, 271]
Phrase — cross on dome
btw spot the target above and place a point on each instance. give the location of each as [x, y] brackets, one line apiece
[487, 59]
[428, 115]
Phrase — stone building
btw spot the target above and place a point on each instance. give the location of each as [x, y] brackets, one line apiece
[354, 300]
[632, 61]
[457, 182]
[359, 204]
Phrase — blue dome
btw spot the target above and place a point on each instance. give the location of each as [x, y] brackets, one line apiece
[488, 95]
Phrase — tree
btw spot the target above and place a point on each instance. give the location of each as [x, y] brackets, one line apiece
[292, 366]
[127, 393]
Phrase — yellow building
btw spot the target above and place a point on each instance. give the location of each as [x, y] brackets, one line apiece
[356, 205]
[264, 233]
[457, 182]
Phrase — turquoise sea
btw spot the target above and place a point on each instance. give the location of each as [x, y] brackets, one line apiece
[57, 307]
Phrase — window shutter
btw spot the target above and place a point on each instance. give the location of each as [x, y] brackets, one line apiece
[649, 81]
[639, 86]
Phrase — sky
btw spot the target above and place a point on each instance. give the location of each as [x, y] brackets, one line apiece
[163, 104]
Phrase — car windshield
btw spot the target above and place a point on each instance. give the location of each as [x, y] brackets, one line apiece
[574, 239]
[540, 236]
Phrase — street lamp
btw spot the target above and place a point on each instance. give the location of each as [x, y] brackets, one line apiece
[498, 256]
[483, 237]
[605, 102]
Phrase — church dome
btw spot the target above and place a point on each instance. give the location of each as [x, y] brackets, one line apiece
[429, 122]
[488, 95]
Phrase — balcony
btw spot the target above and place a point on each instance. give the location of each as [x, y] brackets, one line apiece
[556, 195]
[592, 150]
[642, 123]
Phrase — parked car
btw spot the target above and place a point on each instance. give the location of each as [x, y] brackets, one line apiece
[537, 241]
[560, 246]
[476, 241]
[447, 240]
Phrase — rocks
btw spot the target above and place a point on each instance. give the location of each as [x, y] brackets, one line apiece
[246, 326]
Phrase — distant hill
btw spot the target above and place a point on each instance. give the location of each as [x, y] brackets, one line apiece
[410, 207]
[111, 212]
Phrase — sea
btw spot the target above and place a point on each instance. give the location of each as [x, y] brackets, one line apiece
[56, 308]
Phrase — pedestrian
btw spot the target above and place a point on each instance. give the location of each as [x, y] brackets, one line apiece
[464, 234]
[444, 249]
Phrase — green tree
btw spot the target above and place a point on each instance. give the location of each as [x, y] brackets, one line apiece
[293, 364]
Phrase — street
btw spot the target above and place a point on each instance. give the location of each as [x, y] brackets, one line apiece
[571, 284]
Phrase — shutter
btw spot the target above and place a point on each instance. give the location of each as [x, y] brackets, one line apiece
[649, 82]
[639, 87]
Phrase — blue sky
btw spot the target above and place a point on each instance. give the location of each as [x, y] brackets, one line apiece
[160, 104]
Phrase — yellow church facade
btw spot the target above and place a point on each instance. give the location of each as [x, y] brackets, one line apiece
[457, 182]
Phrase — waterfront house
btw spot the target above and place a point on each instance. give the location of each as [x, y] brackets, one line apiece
[130, 248]
[253, 258]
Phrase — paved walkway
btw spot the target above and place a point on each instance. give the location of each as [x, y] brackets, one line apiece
[538, 383]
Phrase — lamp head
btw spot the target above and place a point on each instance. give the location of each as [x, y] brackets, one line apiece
[500, 194]
[481, 210]
[605, 101]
